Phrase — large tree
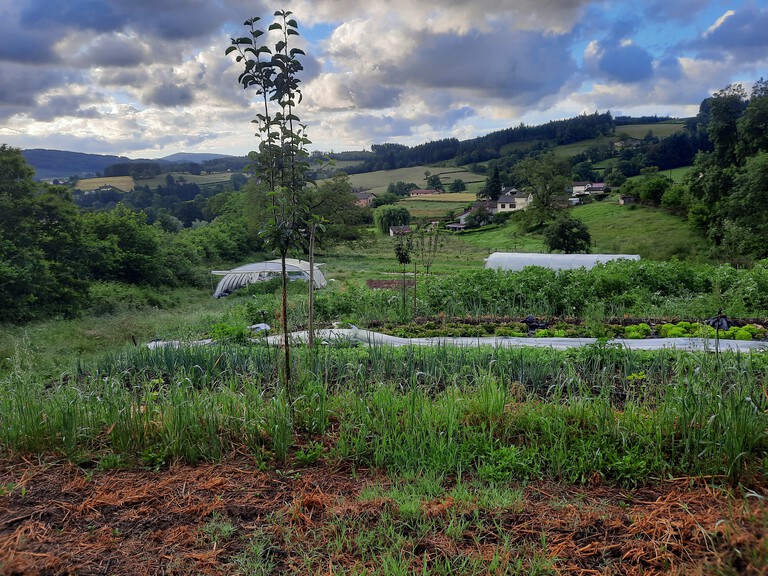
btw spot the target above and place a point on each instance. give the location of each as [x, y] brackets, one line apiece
[42, 271]
[391, 215]
[567, 234]
[546, 177]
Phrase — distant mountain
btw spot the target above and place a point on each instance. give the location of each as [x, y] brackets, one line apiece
[193, 157]
[49, 164]
[61, 164]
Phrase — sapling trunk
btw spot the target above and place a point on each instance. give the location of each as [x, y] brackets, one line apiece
[286, 341]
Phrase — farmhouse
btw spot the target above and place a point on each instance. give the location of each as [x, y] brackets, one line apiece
[596, 188]
[579, 188]
[399, 230]
[624, 199]
[523, 200]
[506, 202]
[364, 199]
[262, 271]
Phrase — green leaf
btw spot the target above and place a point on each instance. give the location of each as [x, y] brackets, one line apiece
[275, 26]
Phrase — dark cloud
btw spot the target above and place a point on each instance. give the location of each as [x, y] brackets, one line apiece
[28, 46]
[19, 86]
[98, 15]
[682, 10]
[135, 77]
[114, 51]
[669, 69]
[63, 106]
[520, 67]
[743, 36]
[376, 128]
[626, 64]
[169, 95]
[169, 19]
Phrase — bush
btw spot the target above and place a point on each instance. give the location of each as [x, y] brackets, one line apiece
[114, 297]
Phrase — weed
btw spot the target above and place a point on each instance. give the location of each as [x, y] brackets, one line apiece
[218, 529]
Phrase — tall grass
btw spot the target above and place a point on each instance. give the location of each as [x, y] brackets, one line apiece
[600, 411]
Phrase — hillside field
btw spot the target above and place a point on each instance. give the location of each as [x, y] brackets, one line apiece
[124, 183]
[377, 182]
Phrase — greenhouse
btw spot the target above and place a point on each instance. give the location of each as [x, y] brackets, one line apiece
[262, 271]
[519, 260]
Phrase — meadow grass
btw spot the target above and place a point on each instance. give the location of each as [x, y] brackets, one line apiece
[200, 179]
[650, 232]
[497, 414]
[124, 183]
[378, 181]
[426, 209]
[660, 130]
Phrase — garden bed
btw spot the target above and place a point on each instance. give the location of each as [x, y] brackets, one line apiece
[629, 328]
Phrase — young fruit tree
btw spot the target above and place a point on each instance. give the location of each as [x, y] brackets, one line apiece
[281, 162]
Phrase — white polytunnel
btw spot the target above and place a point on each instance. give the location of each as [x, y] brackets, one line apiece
[261, 271]
[519, 260]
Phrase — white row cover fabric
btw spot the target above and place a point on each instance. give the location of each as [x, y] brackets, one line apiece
[261, 271]
[519, 260]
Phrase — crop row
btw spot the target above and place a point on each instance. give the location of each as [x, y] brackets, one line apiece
[499, 413]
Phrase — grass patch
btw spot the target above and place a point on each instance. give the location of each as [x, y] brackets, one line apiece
[124, 183]
[650, 232]
[377, 182]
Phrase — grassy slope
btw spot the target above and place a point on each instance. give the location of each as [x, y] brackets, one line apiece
[378, 181]
[124, 183]
[650, 232]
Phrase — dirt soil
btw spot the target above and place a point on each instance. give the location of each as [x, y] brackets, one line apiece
[59, 519]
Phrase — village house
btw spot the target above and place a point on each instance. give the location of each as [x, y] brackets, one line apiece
[578, 188]
[364, 199]
[399, 230]
[506, 201]
[596, 188]
[523, 200]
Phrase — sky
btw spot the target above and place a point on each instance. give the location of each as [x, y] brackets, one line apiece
[149, 78]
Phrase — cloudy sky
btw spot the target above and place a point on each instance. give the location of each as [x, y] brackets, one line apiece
[147, 78]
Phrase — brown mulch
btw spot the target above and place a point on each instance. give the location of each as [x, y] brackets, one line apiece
[58, 519]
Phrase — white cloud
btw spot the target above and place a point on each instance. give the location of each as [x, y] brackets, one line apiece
[720, 21]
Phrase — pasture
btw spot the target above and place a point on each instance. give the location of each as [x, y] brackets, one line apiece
[377, 182]
[124, 183]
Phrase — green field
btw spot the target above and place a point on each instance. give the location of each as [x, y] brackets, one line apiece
[124, 183]
[201, 180]
[438, 206]
[660, 130]
[377, 182]
[650, 232]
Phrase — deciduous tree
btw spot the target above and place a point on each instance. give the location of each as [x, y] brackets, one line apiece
[568, 234]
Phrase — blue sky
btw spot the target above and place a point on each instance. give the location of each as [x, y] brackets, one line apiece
[147, 78]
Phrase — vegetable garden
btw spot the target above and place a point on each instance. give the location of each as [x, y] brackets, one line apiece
[377, 460]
